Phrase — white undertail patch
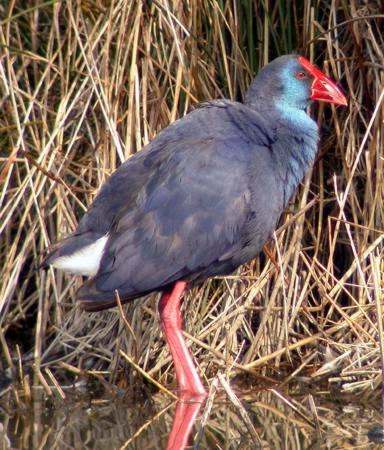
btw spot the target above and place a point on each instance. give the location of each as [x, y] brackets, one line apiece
[86, 261]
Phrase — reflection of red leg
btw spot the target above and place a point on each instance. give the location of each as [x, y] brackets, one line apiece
[188, 380]
[185, 416]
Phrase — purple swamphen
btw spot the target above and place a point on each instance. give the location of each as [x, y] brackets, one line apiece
[199, 200]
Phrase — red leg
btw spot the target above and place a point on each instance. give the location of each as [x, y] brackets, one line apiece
[188, 380]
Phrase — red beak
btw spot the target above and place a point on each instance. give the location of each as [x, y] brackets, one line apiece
[323, 88]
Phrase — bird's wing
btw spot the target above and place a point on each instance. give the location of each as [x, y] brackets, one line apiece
[187, 217]
[177, 209]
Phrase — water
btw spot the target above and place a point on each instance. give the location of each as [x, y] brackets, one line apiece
[269, 419]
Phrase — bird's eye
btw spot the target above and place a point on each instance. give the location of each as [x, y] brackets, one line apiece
[300, 75]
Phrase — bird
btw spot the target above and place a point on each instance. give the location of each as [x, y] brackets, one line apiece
[199, 200]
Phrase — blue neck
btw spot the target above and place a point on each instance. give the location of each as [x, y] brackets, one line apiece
[298, 135]
[296, 117]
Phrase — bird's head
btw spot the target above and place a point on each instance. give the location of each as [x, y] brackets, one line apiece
[291, 81]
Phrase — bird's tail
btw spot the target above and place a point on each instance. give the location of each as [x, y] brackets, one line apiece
[69, 246]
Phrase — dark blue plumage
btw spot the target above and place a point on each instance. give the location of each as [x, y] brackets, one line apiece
[204, 196]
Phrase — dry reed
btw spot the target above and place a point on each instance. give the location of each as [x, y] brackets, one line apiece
[85, 84]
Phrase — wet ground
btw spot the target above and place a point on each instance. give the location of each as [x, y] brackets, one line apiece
[270, 419]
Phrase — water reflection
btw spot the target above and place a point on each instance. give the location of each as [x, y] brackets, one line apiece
[183, 421]
[279, 420]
